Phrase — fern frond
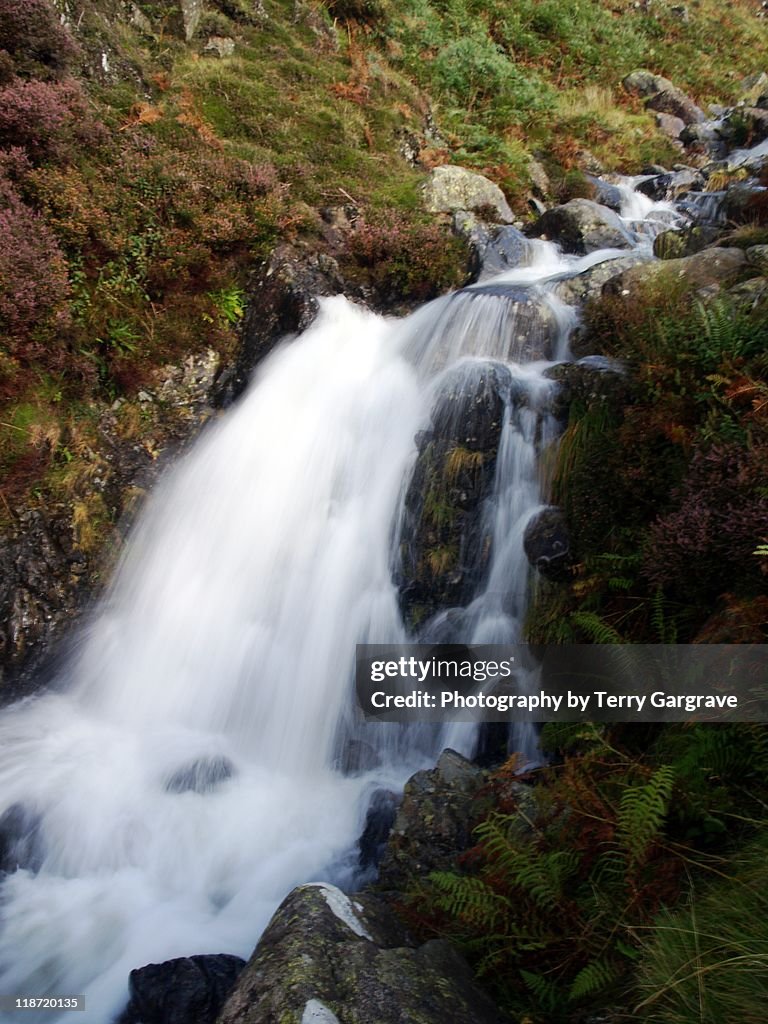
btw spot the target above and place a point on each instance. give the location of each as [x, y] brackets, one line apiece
[642, 812]
[595, 977]
[596, 628]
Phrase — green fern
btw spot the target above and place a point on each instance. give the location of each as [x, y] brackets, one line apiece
[596, 628]
[468, 897]
[548, 995]
[593, 979]
[642, 812]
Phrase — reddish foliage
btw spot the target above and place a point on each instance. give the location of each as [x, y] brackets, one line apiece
[721, 514]
[33, 273]
[31, 33]
[40, 116]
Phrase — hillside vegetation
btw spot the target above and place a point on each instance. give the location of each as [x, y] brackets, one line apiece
[143, 176]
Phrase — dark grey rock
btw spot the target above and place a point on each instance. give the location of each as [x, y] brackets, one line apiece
[21, 841]
[189, 990]
[547, 544]
[671, 185]
[379, 819]
[444, 543]
[606, 194]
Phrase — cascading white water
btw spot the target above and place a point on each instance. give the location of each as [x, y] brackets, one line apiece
[182, 777]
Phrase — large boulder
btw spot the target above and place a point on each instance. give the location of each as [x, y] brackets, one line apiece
[582, 226]
[434, 822]
[706, 272]
[188, 990]
[662, 96]
[754, 90]
[450, 188]
[328, 958]
[589, 284]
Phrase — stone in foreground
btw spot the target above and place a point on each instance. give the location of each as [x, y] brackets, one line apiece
[328, 958]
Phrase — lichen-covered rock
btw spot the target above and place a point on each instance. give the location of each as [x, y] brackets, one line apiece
[327, 957]
[191, 13]
[673, 245]
[589, 284]
[434, 821]
[705, 271]
[582, 226]
[450, 188]
[188, 990]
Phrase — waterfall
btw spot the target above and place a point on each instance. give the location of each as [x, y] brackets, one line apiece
[184, 774]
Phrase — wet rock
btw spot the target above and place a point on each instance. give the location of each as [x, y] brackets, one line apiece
[43, 585]
[200, 776]
[591, 379]
[582, 226]
[445, 544]
[21, 841]
[379, 819]
[327, 958]
[547, 543]
[606, 194]
[450, 188]
[434, 822]
[661, 95]
[282, 300]
[189, 990]
[493, 249]
[671, 245]
[671, 185]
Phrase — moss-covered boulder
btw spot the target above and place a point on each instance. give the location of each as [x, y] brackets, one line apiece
[328, 958]
[445, 541]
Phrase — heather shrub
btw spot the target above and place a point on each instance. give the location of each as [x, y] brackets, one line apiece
[709, 536]
[30, 31]
[40, 116]
[33, 272]
[403, 259]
